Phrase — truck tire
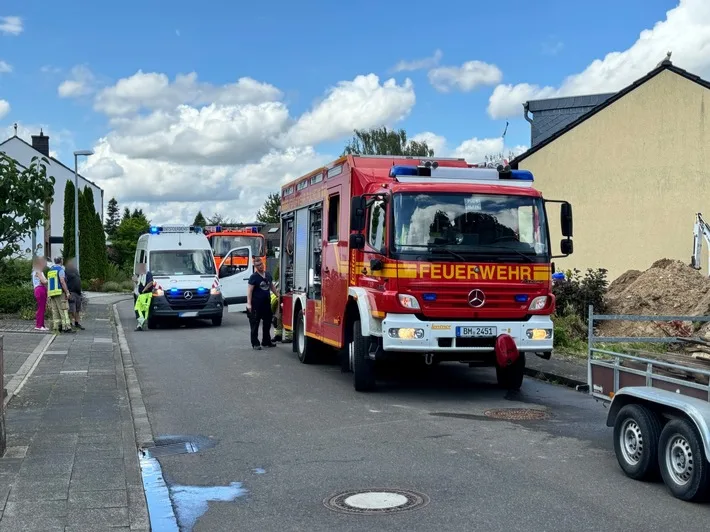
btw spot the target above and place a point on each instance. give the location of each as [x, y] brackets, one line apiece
[636, 433]
[684, 466]
[363, 367]
[511, 377]
[305, 346]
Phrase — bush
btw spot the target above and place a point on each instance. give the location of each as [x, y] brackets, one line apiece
[17, 299]
[111, 286]
[575, 293]
[127, 286]
[92, 285]
[115, 274]
[570, 333]
[15, 272]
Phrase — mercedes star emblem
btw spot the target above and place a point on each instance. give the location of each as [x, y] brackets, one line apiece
[476, 298]
[188, 295]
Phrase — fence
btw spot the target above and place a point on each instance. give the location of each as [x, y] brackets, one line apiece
[609, 370]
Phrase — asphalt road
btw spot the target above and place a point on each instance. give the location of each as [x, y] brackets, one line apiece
[294, 435]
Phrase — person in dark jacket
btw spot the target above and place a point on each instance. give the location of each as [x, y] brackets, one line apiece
[75, 296]
[259, 305]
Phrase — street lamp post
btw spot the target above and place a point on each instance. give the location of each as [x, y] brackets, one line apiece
[77, 153]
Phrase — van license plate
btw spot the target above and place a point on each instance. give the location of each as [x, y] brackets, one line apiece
[476, 332]
[188, 314]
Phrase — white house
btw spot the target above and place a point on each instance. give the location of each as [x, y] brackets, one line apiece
[50, 236]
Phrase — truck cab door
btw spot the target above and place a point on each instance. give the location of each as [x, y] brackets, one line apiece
[233, 279]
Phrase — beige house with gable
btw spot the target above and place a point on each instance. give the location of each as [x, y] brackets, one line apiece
[636, 168]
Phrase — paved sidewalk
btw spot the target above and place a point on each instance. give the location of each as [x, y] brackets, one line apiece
[13, 325]
[72, 462]
[20, 350]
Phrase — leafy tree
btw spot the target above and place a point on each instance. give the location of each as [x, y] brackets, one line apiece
[69, 246]
[269, 213]
[219, 219]
[381, 141]
[25, 195]
[200, 220]
[126, 239]
[113, 217]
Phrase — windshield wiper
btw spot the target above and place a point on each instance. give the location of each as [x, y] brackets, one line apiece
[528, 258]
[439, 249]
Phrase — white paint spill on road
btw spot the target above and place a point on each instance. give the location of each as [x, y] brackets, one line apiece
[191, 502]
[376, 500]
[258, 471]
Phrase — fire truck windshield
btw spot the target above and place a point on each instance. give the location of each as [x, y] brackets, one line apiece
[182, 262]
[223, 244]
[458, 226]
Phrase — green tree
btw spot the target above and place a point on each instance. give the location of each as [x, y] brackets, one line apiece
[381, 141]
[87, 258]
[25, 195]
[126, 213]
[113, 217]
[200, 220]
[269, 213]
[126, 239]
[69, 245]
[219, 219]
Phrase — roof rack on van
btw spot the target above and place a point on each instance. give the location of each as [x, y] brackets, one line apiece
[157, 229]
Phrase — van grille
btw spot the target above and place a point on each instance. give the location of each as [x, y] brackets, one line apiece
[178, 301]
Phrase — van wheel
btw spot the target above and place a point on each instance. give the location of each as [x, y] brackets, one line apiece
[684, 467]
[305, 346]
[511, 377]
[217, 321]
[152, 323]
[362, 366]
[636, 433]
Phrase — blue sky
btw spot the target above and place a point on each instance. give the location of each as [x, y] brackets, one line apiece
[305, 48]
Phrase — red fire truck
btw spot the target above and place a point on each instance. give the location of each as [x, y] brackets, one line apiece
[414, 258]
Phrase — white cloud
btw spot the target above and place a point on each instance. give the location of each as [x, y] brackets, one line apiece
[5, 67]
[357, 104]
[466, 77]
[419, 64]
[685, 31]
[4, 108]
[80, 83]
[11, 25]
[474, 150]
[176, 147]
[152, 90]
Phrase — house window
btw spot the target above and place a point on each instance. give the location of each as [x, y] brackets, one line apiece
[302, 185]
[333, 217]
[335, 171]
[317, 178]
[377, 223]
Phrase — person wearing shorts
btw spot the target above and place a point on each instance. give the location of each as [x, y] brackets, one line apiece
[75, 297]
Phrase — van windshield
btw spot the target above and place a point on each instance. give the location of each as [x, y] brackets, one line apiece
[182, 262]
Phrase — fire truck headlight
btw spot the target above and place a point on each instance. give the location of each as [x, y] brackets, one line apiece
[538, 303]
[406, 334]
[539, 334]
[408, 301]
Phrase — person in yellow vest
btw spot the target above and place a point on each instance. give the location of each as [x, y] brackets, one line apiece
[279, 334]
[58, 297]
[144, 279]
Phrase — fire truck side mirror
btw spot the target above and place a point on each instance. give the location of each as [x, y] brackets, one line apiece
[566, 246]
[357, 213]
[566, 219]
[357, 241]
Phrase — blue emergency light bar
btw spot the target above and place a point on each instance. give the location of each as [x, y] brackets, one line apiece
[158, 229]
[461, 173]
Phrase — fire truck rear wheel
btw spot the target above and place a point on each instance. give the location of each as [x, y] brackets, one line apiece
[305, 346]
[363, 367]
[511, 378]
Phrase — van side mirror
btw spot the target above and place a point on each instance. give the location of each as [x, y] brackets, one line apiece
[357, 241]
[357, 213]
[566, 246]
[566, 219]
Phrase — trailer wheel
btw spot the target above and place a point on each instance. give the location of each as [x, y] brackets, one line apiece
[511, 378]
[305, 346]
[363, 367]
[636, 435]
[684, 467]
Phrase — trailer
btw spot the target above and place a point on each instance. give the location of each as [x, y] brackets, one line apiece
[659, 409]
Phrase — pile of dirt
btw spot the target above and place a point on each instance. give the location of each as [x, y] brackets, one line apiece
[668, 287]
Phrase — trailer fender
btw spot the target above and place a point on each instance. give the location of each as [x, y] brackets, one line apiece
[370, 325]
[696, 410]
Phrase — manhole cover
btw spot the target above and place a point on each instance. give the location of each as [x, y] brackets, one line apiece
[376, 501]
[517, 414]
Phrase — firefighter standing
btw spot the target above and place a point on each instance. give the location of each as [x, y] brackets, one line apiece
[58, 297]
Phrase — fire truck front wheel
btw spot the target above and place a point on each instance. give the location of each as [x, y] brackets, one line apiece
[363, 366]
[305, 346]
[511, 377]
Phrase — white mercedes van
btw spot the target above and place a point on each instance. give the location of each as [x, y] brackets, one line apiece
[186, 282]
